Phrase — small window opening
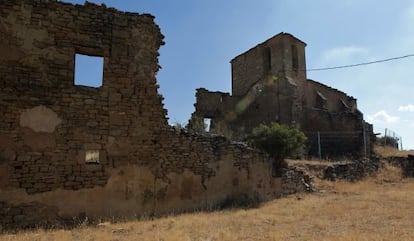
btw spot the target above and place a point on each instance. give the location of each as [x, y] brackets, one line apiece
[321, 101]
[88, 70]
[344, 105]
[295, 62]
[267, 57]
[92, 157]
[207, 124]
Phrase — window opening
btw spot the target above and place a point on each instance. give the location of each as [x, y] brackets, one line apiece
[295, 62]
[344, 105]
[267, 59]
[92, 157]
[207, 124]
[88, 70]
[321, 101]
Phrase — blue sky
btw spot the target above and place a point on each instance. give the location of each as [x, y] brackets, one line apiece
[203, 36]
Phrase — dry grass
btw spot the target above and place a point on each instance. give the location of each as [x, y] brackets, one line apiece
[380, 208]
[386, 151]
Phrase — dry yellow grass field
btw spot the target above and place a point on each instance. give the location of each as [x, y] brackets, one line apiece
[378, 208]
[387, 151]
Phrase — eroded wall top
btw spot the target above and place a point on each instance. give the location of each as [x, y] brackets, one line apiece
[43, 37]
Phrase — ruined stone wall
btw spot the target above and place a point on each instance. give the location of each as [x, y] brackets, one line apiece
[293, 51]
[242, 75]
[405, 163]
[269, 85]
[275, 56]
[76, 151]
[337, 101]
[339, 123]
[213, 104]
[48, 124]
[270, 99]
[193, 172]
[340, 134]
[265, 103]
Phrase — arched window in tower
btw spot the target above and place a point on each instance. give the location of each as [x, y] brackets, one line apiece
[267, 59]
[295, 62]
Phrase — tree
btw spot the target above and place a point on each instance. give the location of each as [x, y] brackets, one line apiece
[279, 141]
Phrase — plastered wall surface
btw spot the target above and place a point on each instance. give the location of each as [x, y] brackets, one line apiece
[69, 151]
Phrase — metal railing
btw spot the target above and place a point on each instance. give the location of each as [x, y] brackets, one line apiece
[326, 144]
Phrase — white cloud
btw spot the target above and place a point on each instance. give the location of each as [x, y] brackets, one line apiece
[382, 116]
[407, 108]
[340, 54]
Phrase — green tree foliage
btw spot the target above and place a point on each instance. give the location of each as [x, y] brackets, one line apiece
[279, 141]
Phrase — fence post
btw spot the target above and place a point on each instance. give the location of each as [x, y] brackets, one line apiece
[319, 146]
[385, 139]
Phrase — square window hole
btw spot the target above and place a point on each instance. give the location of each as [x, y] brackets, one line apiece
[92, 157]
[89, 70]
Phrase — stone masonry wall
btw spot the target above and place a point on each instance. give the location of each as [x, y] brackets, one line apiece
[103, 152]
[269, 84]
[274, 56]
[48, 124]
[336, 99]
[193, 172]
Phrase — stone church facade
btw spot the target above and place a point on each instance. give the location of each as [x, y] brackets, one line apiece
[269, 84]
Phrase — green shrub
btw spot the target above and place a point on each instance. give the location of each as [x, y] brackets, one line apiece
[279, 141]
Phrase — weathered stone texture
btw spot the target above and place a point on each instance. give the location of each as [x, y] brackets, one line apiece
[352, 171]
[405, 163]
[269, 84]
[40, 41]
[108, 151]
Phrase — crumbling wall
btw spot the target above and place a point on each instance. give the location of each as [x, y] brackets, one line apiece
[337, 121]
[337, 101]
[212, 104]
[270, 99]
[78, 151]
[48, 124]
[192, 172]
[274, 56]
[352, 171]
[269, 85]
[405, 163]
